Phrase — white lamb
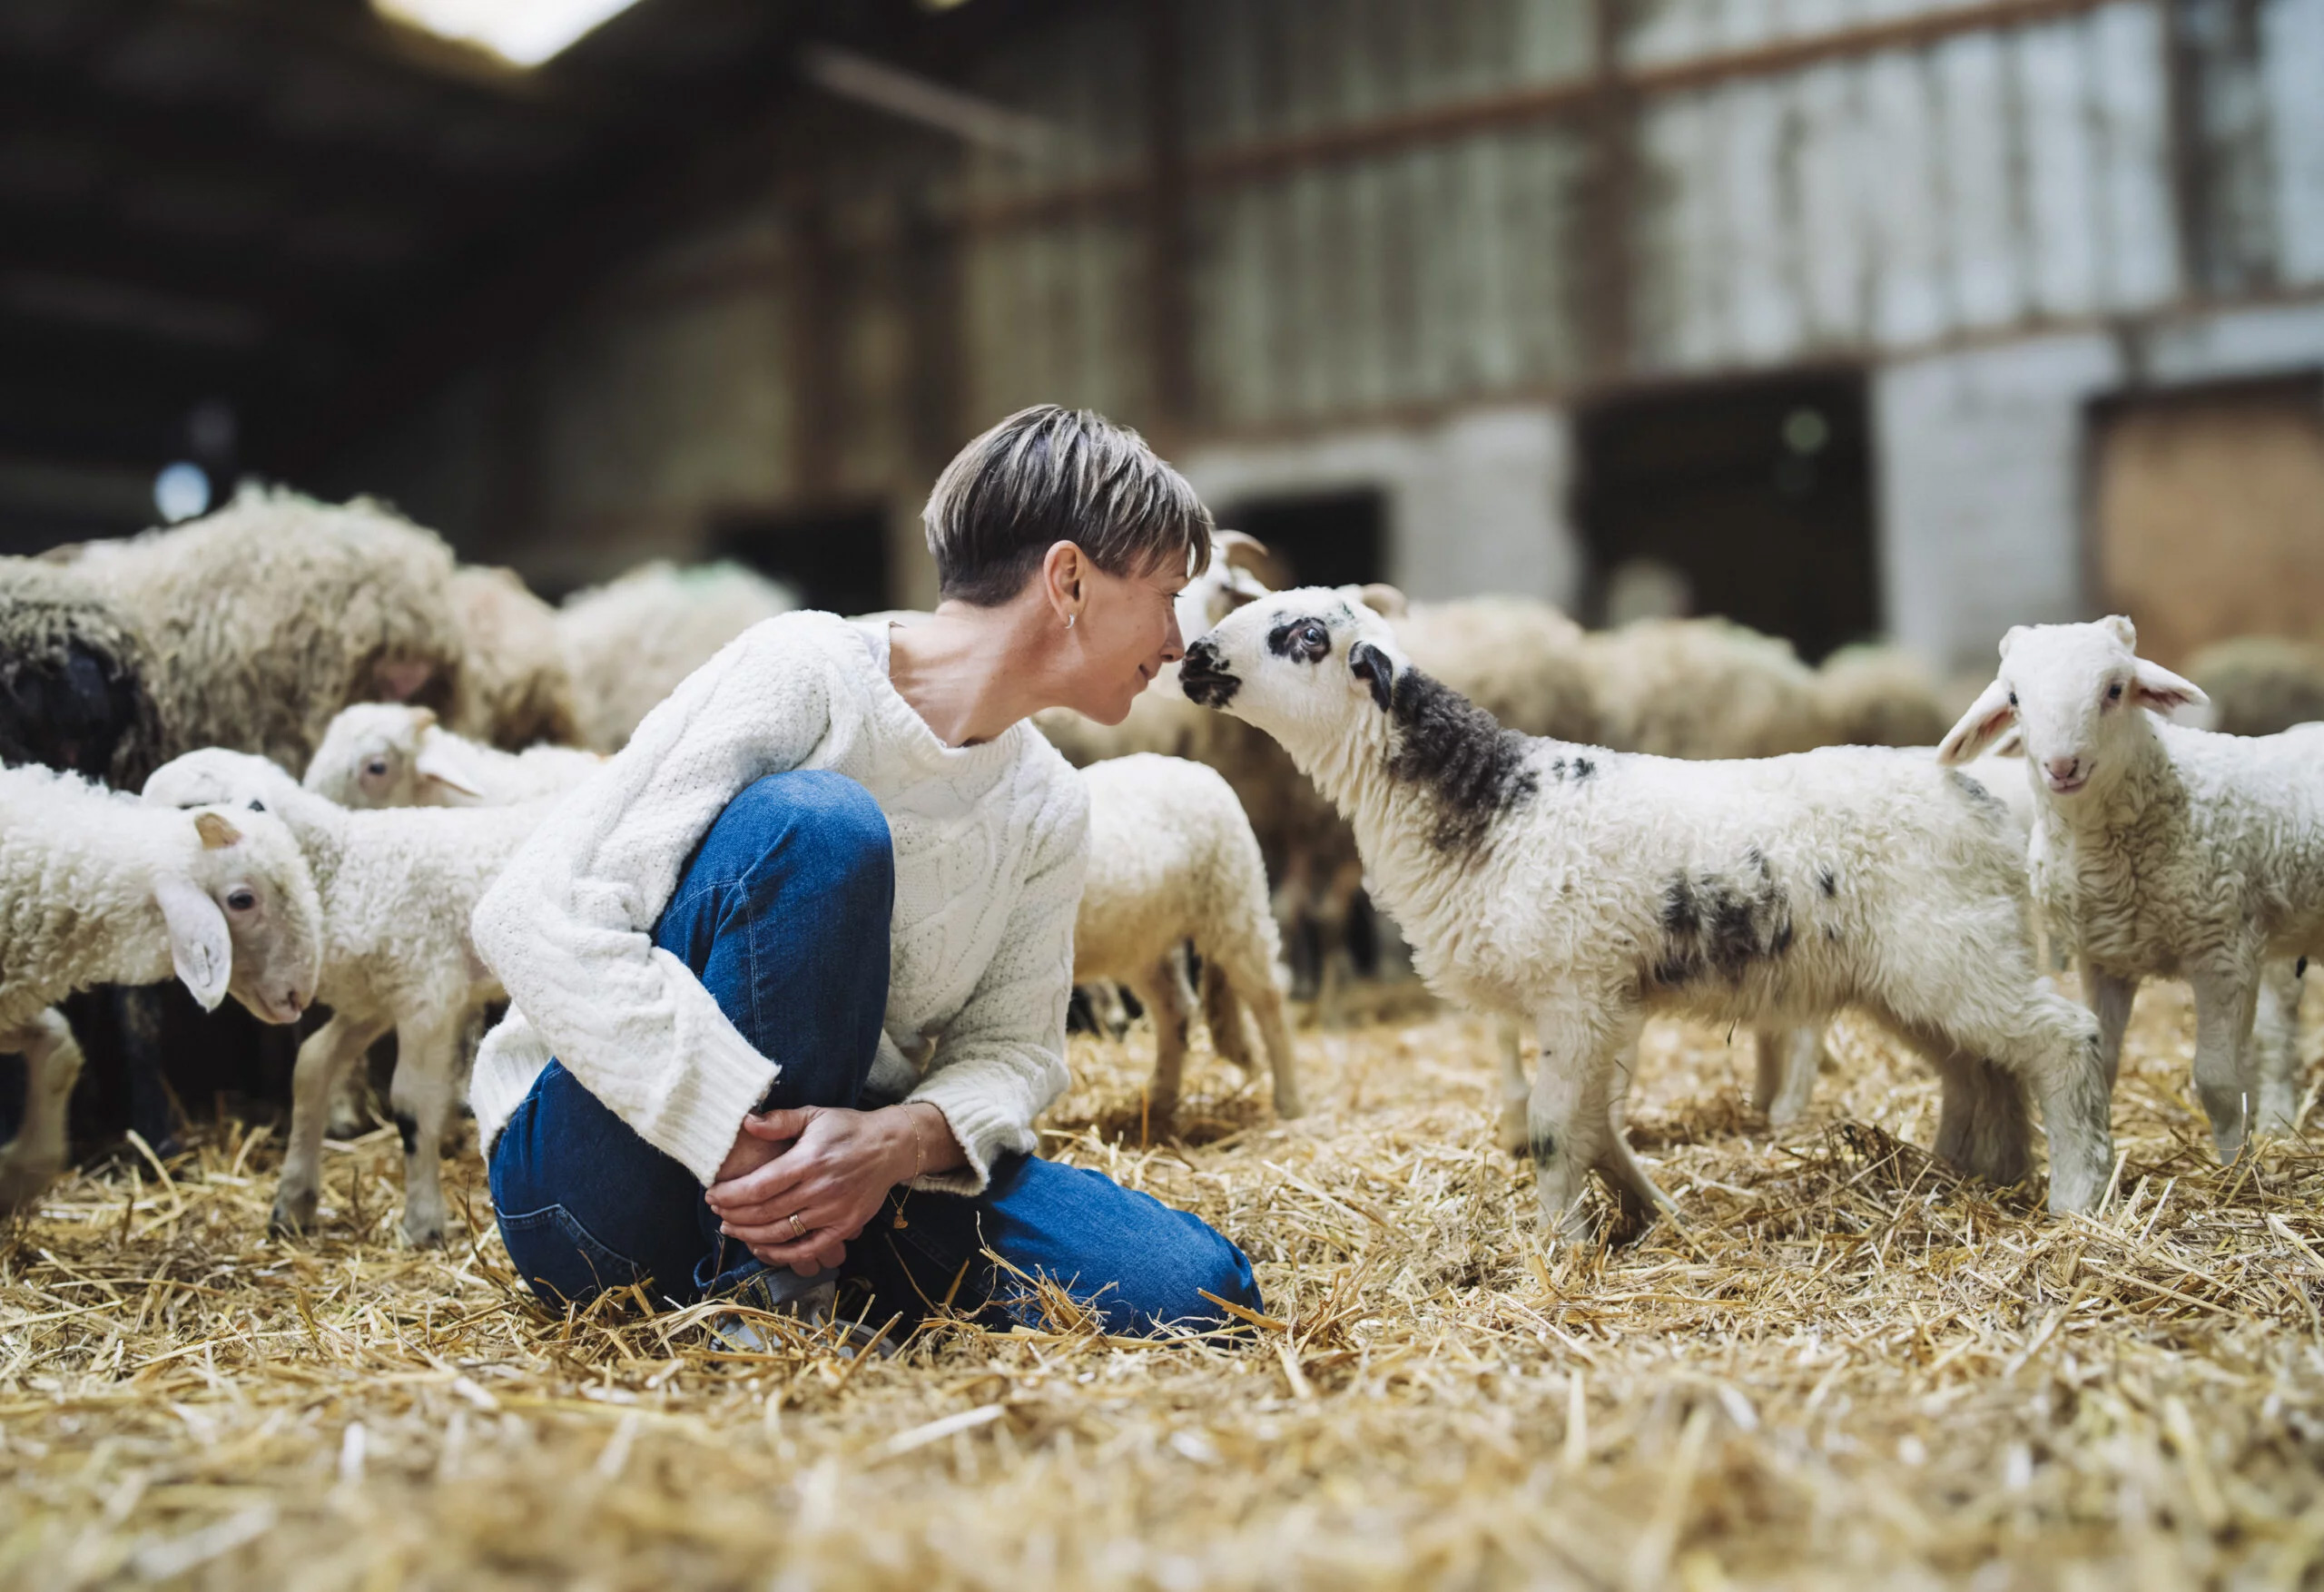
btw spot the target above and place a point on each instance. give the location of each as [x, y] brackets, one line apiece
[2160, 850]
[386, 754]
[1588, 890]
[398, 888]
[1172, 858]
[97, 888]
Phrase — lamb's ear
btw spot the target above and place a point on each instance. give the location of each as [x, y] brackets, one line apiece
[447, 762]
[2160, 689]
[2009, 638]
[2125, 630]
[1246, 554]
[1383, 599]
[201, 949]
[1369, 664]
[423, 718]
[216, 832]
[1988, 718]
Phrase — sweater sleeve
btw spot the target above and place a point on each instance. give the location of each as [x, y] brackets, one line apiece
[1001, 1060]
[568, 927]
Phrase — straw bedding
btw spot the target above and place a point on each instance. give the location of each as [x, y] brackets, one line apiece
[1847, 1369]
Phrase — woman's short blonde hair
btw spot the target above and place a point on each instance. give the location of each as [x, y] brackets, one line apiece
[1048, 475]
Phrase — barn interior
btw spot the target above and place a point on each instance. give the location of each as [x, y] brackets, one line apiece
[1874, 326]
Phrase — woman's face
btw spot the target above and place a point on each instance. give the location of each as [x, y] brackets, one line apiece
[1128, 630]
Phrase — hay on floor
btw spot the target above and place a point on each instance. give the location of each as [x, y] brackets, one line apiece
[1846, 1367]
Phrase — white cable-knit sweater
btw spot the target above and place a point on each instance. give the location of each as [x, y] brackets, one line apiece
[990, 846]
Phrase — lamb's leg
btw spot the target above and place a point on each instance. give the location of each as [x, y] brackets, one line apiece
[1165, 995]
[30, 1162]
[1222, 1014]
[1516, 1088]
[2110, 997]
[2224, 1000]
[420, 1099]
[354, 1105]
[2052, 1046]
[328, 1050]
[1572, 1125]
[1253, 987]
[2275, 1045]
[1984, 1129]
[1788, 1063]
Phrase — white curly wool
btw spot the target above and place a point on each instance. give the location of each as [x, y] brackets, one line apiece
[397, 890]
[989, 842]
[97, 888]
[1588, 890]
[1172, 859]
[2164, 851]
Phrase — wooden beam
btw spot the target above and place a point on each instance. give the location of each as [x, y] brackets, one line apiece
[1540, 105]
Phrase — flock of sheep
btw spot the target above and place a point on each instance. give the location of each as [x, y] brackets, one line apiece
[279, 753]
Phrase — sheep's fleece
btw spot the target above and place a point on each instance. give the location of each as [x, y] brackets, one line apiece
[1588, 889]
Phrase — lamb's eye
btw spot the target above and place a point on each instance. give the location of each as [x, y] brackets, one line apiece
[256, 805]
[376, 768]
[2012, 698]
[241, 899]
[1314, 641]
[2115, 692]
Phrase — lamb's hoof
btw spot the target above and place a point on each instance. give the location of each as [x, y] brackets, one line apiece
[1287, 1107]
[423, 1232]
[2279, 1111]
[348, 1121]
[1513, 1134]
[293, 1212]
[24, 1178]
[1161, 1117]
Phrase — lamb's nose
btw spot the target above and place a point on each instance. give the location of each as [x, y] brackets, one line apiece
[2063, 769]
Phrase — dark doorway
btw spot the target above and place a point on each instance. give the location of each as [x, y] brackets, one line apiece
[836, 560]
[1756, 496]
[1326, 538]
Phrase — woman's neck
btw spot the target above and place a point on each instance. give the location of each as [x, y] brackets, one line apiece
[971, 672]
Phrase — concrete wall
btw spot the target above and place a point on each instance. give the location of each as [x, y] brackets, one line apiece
[1475, 503]
[1981, 459]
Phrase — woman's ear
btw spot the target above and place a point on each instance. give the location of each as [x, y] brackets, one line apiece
[1065, 570]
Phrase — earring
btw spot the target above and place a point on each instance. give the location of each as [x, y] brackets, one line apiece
[1070, 619]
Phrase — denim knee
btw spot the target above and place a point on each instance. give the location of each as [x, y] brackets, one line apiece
[1167, 1287]
[833, 816]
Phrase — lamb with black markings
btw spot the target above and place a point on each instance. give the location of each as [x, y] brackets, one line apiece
[1586, 891]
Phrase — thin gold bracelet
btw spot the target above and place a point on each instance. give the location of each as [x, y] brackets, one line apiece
[919, 1151]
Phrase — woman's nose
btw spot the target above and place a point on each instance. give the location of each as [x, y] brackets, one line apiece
[1174, 644]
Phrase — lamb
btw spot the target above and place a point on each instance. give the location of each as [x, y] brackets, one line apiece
[97, 888]
[516, 689]
[385, 754]
[266, 618]
[628, 643]
[1588, 890]
[2260, 685]
[74, 672]
[1172, 858]
[2160, 850]
[397, 888]
[1871, 695]
[1702, 688]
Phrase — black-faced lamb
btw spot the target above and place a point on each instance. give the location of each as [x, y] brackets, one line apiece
[97, 888]
[398, 888]
[1172, 859]
[1586, 890]
[2160, 850]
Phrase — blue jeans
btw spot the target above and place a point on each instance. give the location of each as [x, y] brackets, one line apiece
[784, 915]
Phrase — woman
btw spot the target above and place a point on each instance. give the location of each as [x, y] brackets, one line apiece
[802, 952]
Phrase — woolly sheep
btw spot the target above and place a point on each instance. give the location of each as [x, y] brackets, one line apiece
[516, 689]
[97, 888]
[629, 642]
[1588, 890]
[266, 618]
[1868, 696]
[397, 888]
[2160, 850]
[385, 754]
[1172, 858]
[1702, 688]
[2260, 685]
[74, 671]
